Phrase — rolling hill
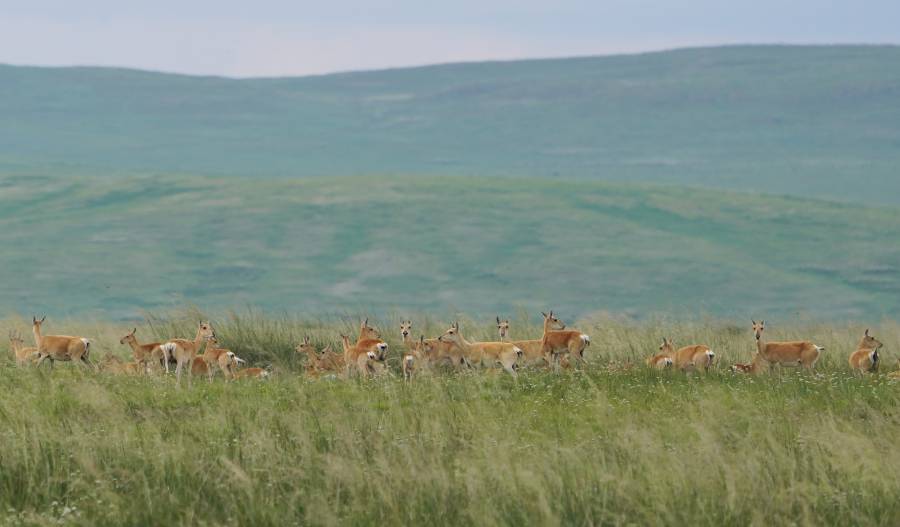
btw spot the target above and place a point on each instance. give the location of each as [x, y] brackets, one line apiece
[810, 121]
[113, 246]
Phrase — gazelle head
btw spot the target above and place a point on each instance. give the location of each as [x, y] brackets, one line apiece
[15, 340]
[345, 342]
[666, 346]
[36, 324]
[129, 338]
[212, 341]
[870, 342]
[204, 329]
[367, 332]
[452, 334]
[424, 348]
[405, 329]
[306, 347]
[551, 322]
[758, 328]
[503, 328]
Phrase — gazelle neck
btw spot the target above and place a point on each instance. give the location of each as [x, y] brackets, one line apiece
[37, 335]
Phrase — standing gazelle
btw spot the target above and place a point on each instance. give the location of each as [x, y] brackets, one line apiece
[797, 353]
[145, 354]
[556, 339]
[866, 358]
[59, 347]
[185, 350]
[488, 354]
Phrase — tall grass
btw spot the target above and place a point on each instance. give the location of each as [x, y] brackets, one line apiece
[611, 444]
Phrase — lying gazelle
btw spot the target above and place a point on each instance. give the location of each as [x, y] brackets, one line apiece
[318, 363]
[24, 354]
[556, 340]
[59, 347]
[417, 359]
[146, 354]
[185, 351]
[866, 358]
[367, 354]
[756, 365]
[660, 361]
[688, 358]
[798, 353]
[440, 352]
[484, 354]
[251, 373]
[115, 365]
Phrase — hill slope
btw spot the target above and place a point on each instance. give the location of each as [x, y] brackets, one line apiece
[820, 121]
[482, 245]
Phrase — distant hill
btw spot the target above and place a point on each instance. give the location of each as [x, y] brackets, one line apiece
[817, 121]
[114, 246]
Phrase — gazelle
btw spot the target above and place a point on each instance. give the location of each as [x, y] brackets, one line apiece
[113, 364]
[439, 351]
[798, 353]
[417, 359]
[143, 353]
[185, 351]
[59, 347]
[756, 365]
[660, 361]
[688, 358]
[866, 358]
[317, 363]
[488, 354]
[24, 354]
[368, 354]
[556, 340]
[251, 373]
[532, 350]
[223, 358]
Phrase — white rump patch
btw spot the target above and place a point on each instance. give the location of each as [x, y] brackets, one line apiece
[585, 338]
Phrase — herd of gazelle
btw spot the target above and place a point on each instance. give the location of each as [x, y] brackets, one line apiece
[557, 347]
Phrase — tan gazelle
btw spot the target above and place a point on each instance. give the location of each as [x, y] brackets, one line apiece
[866, 357]
[799, 353]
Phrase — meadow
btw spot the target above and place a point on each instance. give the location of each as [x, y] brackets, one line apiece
[612, 444]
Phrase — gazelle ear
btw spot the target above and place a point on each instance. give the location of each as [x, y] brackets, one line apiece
[498, 320]
[753, 321]
[867, 332]
[366, 322]
[422, 339]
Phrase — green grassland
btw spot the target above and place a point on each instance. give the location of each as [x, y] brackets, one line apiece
[116, 247]
[612, 444]
[808, 120]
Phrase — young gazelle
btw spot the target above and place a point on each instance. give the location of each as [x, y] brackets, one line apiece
[251, 373]
[439, 351]
[146, 354]
[486, 354]
[368, 354]
[866, 358]
[318, 363]
[185, 351]
[417, 359]
[221, 358]
[59, 347]
[115, 365]
[798, 353]
[688, 358]
[661, 360]
[756, 365]
[24, 354]
[556, 340]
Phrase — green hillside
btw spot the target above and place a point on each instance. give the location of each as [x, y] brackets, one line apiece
[112, 246]
[811, 121]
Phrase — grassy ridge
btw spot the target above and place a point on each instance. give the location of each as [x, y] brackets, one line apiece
[806, 120]
[112, 247]
[609, 445]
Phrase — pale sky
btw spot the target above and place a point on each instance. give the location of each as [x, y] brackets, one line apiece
[285, 37]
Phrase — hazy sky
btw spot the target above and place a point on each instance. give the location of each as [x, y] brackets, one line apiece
[285, 37]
